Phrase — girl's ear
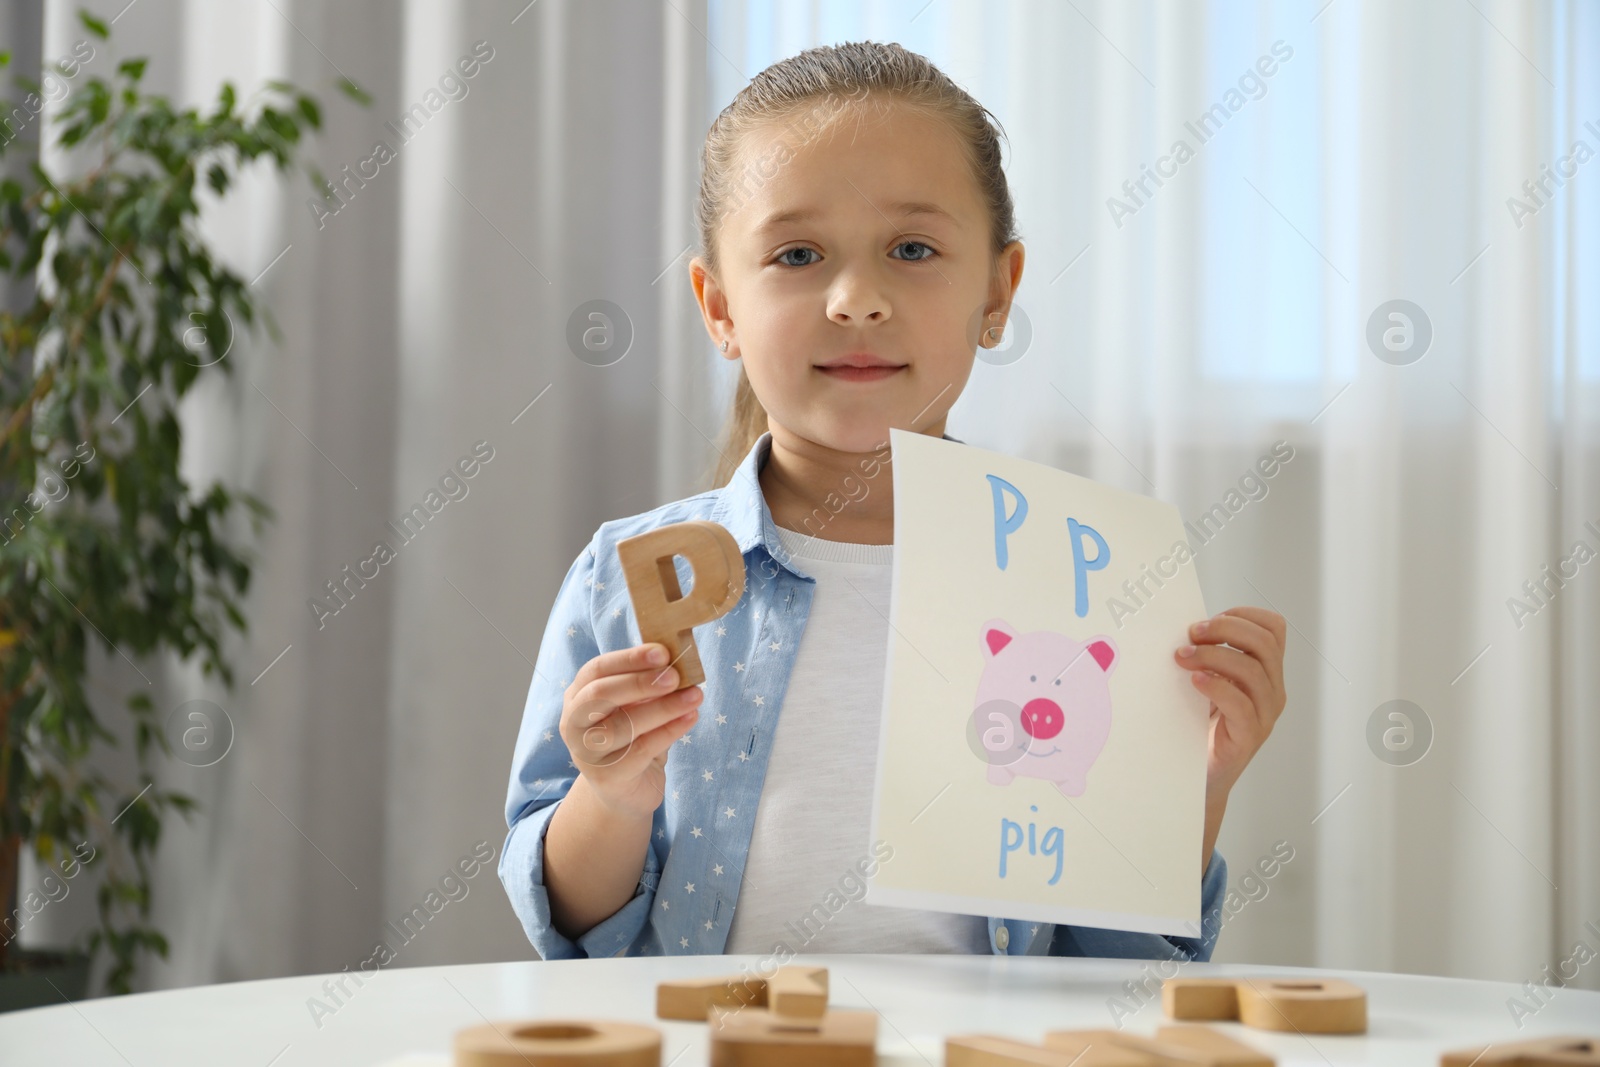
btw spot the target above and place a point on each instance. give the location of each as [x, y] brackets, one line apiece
[713, 307]
[1008, 270]
[1003, 287]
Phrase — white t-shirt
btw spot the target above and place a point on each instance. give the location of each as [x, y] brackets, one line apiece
[802, 884]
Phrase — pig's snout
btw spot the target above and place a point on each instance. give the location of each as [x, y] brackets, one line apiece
[1042, 719]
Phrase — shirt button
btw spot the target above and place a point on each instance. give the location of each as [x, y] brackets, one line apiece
[1002, 938]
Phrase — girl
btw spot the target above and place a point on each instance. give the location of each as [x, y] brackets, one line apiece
[856, 231]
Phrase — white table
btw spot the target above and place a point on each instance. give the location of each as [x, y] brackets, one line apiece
[407, 1015]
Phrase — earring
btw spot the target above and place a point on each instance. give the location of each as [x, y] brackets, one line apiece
[991, 331]
[724, 346]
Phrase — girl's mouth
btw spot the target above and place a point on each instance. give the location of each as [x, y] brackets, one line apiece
[860, 374]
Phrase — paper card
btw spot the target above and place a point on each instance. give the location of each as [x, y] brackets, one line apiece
[1042, 755]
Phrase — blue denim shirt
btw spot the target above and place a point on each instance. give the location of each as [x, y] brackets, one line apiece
[701, 832]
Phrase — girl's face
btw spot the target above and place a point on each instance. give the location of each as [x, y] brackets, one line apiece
[865, 240]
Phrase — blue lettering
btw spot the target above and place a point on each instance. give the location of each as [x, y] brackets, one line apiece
[1008, 846]
[1052, 847]
[1080, 566]
[1005, 525]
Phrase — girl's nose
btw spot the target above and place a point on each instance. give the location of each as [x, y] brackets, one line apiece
[857, 300]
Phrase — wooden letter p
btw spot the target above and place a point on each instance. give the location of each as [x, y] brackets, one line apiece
[664, 614]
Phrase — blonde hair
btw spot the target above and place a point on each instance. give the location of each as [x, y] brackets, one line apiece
[831, 79]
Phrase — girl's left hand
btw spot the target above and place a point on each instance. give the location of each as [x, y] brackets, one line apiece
[1244, 682]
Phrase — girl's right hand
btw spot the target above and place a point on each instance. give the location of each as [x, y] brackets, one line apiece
[619, 718]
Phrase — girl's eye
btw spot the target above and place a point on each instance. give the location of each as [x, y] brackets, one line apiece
[782, 257]
[928, 252]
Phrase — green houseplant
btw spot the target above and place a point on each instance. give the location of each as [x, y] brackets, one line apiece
[102, 541]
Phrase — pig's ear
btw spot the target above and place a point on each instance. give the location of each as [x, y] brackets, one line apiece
[997, 634]
[1104, 651]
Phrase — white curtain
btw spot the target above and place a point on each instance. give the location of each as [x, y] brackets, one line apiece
[1227, 312]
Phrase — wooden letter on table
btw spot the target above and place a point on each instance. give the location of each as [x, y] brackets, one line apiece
[754, 1037]
[1317, 1006]
[558, 1043]
[1173, 1046]
[663, 612]
[799, 996]
[985, 1050]
[1543, 1052]
[1212, 1047]
[691, 1000]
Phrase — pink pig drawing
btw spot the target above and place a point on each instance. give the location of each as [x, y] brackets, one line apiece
[1043, 706]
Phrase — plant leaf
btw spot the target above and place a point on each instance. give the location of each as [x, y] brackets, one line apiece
[94, 25]
[354, 91]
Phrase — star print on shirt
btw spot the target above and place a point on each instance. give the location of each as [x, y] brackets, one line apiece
[722, 631]
[696, 832]
[572, 631]
[616, 613]
[684, 740]
[722, 720]
[728, 812]
[775, 645]
[737, 667]
[666, 905]
[683, 942]
[706, 775]
[688, 887]
[660, 834]
[717, 869]
[744, 757]
[708, 924]
[758, 700]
